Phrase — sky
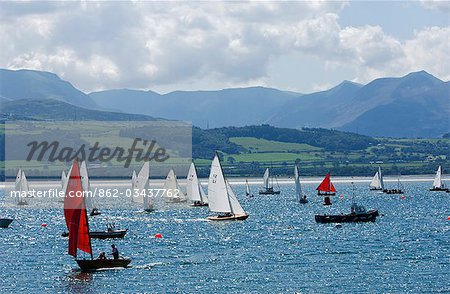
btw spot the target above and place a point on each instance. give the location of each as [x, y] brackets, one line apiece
[166, 46]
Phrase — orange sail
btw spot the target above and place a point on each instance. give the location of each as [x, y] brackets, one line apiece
[326, 185]
[75, 214]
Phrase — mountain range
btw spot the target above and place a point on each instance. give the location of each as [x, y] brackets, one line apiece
[415, 105]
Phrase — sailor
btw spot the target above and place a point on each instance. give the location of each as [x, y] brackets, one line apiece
[101, 255]
[115, 252]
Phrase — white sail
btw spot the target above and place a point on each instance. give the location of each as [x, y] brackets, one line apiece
[298, 186]
[66, 180]
[63, 179]
[266, 178]
[140, 186]
[247, 188]
[18, 179]
[437, 183]
[375, 183]
[194, 189]
[171, 189]
[221, 196]
[89, 200]
[380, 176]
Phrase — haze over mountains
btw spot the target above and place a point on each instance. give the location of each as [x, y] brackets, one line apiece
[416, 105]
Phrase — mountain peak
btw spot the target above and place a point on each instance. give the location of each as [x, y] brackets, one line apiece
[421, 74]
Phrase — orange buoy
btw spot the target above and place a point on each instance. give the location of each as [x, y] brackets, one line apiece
[43, 225]
[158, 235]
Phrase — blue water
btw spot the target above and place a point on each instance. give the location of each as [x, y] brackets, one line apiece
[279, 248]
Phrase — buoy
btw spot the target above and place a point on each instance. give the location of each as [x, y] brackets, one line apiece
[403, 197]
[43, 225]
[158, 235]
[448, 218]
[342, 196]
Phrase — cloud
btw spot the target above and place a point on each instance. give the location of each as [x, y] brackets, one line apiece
[100, 45]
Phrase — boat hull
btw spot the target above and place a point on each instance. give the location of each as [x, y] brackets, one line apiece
[392, 191]
[370, 216]
[376, 189]
[303, 201]
[199, 204]
[440, 189]
[87, 265]
[228, 218]
[118, 234]
[5, 222]
[269, 192]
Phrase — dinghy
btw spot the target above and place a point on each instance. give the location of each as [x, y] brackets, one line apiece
[268, 184]
[438, 184]
[377, 183]
[5, 222]
[194, 189]
[395, 191]
[298, 187]
[22, 187]
[139, 188]
[221, 197]
[76, 218]
[248, 193]
[172, 190]
[326, 189]
[357, 214]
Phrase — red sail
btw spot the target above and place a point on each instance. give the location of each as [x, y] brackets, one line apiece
[326, 185]
[75, 214]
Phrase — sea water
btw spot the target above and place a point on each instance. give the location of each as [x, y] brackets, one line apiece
[279, 248]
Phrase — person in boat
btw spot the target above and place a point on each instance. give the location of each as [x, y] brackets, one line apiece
[111, 227]
[94, 211]
[102, 255]
[228, 214]
[115, 252]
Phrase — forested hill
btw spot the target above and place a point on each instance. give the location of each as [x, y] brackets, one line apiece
[205, 141]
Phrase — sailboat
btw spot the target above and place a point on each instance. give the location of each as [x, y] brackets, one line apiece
[326, 189]
[438, 184]
[22, 187]
[172, 190]
[298, 187]
[377, 181]
[248, 193]
[357, 213]
[87, 187]
[398, 190]
[221, 197]
[268, 184]
[139, 184]
[194, 189]
[77, 221]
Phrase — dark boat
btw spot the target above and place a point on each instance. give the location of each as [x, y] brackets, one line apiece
[89, 265]
[326, 189]
[95, 212]
[358, 214]
[199, 203]
[77, 222]
[395, 191]
[5, 222]
[269, 191]
[109, 234]
[268, 185]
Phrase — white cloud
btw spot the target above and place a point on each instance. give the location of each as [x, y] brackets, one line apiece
[152, 44]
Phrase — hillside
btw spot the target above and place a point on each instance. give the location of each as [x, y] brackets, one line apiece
[39, 85]
[49, 109]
